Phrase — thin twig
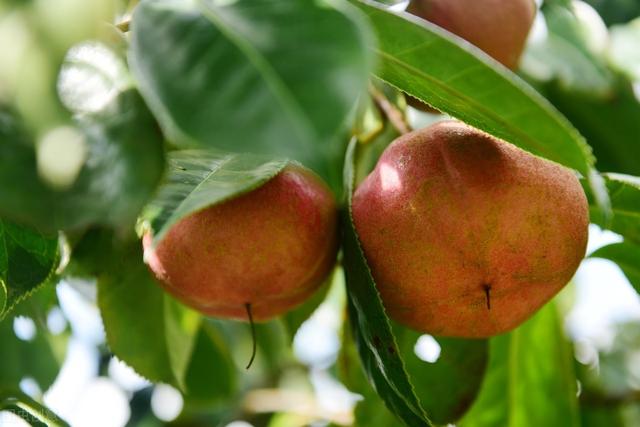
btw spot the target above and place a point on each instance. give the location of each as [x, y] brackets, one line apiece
[395, 116]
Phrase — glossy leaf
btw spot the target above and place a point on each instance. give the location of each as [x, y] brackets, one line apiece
[451, 75]
[145, 328]
[448, 387]
[28, 259]
[200, 178]
[251, 75]
[627, 256]
[371, 328]
[530, 379]
[123, 165]
[625, 201]
[29, 410]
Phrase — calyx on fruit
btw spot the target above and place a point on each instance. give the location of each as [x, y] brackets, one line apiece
[267, 250]
[467, 235]
[498, 27]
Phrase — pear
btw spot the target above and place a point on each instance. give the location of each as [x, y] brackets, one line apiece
[467, 235]
[267, 250]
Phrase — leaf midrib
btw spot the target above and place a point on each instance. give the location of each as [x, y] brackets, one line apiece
[278, 87]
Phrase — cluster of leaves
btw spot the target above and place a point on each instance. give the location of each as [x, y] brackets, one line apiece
[195, 102]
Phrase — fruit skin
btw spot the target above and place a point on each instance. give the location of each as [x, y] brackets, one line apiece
[450, 211]
[498, 27]
[271, 248]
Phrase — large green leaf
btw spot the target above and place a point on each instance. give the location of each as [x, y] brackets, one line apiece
[625, 203]
[530, 379]
[448, 387]
[28, 259]
[627, 256]
[145, 327]
[371, 328]
[211, 378]
[453, 76]
[200, 178]
[123, 164]
[251, 75]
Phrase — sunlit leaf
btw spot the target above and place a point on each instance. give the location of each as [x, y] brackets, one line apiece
[200, 178]
[251, 75]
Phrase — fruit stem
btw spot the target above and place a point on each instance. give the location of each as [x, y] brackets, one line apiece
[487, 293]
[395, 116]
[247, 306]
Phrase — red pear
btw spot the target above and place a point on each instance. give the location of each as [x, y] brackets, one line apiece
[467, 235]
[270, 248]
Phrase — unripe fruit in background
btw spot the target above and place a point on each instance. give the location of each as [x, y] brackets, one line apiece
[498, 27]
[270, 248]
[467, 235]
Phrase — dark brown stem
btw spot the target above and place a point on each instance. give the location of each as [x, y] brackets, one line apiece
[252, 325]
[487, 294]
[395, 116]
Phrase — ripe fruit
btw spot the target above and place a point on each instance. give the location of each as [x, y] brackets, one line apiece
[270, 248]
[467, 235]
[498, 27]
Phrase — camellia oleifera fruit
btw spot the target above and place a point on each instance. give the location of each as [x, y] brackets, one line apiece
[467, 235]
[267, 250]
[498, 27]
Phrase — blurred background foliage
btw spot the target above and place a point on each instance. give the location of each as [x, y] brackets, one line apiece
[83, 148]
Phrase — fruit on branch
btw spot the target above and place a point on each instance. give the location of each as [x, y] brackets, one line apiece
[467, 235]
[270, 248]
[498, 27]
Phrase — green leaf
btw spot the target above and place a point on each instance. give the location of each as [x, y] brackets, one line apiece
[609, 123]
[448, 387]
[371, 328]
[627, 256]
[200, 178]
[564, 54]
[34, 413]
[428, 63]
[251, 75]
[145, 328]
[623, 52]
[28, 259]
[624, 191]
[530, 379]
[123, 164]
[293, 319]
[39, 358]
[212, 376]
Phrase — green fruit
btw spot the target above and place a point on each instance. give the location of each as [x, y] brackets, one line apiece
[467, 235]
[270, 248]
